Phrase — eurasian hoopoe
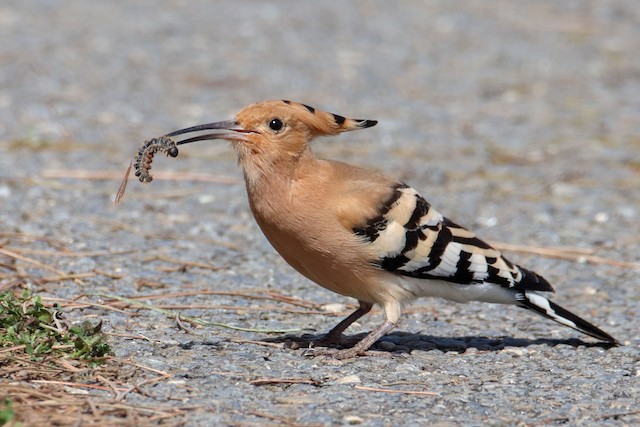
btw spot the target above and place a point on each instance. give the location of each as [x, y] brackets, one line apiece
[362, 234]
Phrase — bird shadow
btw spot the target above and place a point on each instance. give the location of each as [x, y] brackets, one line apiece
[405, 342]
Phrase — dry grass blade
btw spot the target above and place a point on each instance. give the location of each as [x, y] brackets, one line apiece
[115, 276]
[617, 415]
[239, 309]
[572, 254]
[146, 368]
[272, 381]
[388, 390]
[182, 263]
[281, 420]
[263, 343]
[67, 253]
[139, 336]
[51, 366]
[64, 277]
[277, 296]
[270, 296]
[53, 403]
[182, 326]
[193, 320]
[77, 385]
[164, 236]
[62, 394]
[12, 349]
[8, 266]
[118, 392]
[31, 261]
[101, 175]
[16, 390]
[74, 304]
[25, 237]
[123, 184]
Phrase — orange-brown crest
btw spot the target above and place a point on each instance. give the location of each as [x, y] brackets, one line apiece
[307, 122]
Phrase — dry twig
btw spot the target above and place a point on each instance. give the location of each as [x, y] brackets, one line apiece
[193, 320]
[570, 254]
[388, 390]
[101, 175]
[281, 420]
[272, 381]
[181, 262]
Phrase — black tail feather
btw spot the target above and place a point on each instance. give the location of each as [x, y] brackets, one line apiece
[553, 311]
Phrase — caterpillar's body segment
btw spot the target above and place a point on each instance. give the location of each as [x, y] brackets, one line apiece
[146, 153]
[143, 161]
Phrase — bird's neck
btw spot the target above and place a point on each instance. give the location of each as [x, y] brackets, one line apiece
[266, 169]
[268, 178]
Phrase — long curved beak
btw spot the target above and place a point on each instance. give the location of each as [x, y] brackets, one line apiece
[228, 125]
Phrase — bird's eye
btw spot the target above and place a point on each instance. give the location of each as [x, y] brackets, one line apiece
[276, 125]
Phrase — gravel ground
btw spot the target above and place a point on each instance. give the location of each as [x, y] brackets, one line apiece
[518, 119]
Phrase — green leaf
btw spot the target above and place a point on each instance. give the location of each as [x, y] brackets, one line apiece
[6, 412]
[25, 320]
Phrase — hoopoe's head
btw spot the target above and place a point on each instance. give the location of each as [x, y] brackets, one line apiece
[270, 133]
[287, 121]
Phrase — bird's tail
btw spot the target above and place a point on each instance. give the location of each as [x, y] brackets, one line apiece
[553, 311]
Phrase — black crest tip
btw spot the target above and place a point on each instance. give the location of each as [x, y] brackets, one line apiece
[366, 123]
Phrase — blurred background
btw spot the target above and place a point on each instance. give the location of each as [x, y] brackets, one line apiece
[523, 82]
[519, 119]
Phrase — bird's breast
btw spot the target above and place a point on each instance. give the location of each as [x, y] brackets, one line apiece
[307, 232]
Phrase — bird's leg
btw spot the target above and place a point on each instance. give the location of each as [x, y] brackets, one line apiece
[392, 315]
[360, 348]
[366, 342]
[334, 336]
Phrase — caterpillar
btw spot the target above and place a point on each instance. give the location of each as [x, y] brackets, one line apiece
[146, 153]
[144, 159]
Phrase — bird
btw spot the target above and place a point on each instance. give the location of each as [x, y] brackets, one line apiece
[360, 233]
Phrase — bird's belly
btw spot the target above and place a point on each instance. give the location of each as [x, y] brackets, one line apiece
[484, 292]
[336, 267]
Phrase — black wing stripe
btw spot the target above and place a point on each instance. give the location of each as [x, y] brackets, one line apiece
[463, 273]
[421, 210]
[472, 241]
[419, 242]
[373, 227]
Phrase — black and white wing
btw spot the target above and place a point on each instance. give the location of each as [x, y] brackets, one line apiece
[413, 239]
[410, 238]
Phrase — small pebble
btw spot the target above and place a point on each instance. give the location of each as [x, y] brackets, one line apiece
[334, 308]
[601, 217]
[406, 367]
[353, 420]
[349, 379]
[5, 191]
